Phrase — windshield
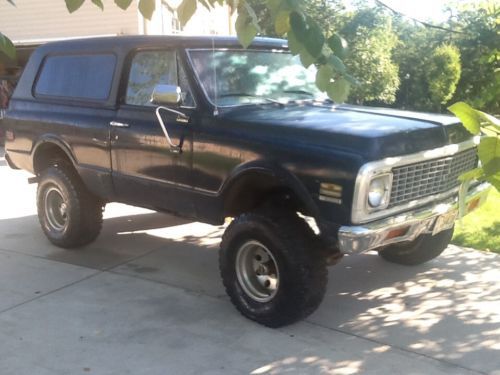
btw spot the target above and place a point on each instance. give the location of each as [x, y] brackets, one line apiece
[235, 77]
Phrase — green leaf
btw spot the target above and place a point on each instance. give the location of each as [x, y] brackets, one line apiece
[209, 7]
[282, 22]
[293, 43]
[338, 45]
[98, 3]
[147, 8]
[250, 13]
[123, 4]
[74, 5]
[7, 47]
[314, 38]
[494, 180]
[488, 120]
[489, 154]
[186, 10]
[306, 59]
[298, 26]
[338, 90]
[474, 174]
[337, 64]
[245, 30]
[468, 116]
[323, 77]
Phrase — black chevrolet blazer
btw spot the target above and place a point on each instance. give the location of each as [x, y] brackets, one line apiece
[201, 128]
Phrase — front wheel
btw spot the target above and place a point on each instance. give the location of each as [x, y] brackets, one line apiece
[270, 270]
[423, 249]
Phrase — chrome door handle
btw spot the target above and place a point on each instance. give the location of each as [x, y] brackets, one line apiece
[119, 124]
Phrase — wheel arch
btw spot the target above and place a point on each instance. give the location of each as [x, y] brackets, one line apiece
[47, 150]
[253, 184]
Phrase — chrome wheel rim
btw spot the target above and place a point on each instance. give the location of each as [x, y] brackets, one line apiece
[56, 209]
[257, 271]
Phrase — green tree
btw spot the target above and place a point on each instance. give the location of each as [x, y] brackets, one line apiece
[429, 67]
[443, 73]
[479, 46]
[371, 43]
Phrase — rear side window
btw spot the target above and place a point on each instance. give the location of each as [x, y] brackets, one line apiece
[77, 76]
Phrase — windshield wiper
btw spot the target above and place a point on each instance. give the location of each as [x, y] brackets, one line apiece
[300, 92]
[314, 98]
[237, 94]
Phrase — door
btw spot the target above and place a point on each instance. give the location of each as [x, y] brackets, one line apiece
[146, 170]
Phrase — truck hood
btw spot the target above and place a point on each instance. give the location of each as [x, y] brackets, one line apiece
[374, 133]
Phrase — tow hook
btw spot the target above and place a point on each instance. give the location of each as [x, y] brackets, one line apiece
[33, 180]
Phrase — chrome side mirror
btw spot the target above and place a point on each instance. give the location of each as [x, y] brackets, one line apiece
[166, 94]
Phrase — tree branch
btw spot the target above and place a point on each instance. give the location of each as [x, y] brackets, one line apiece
[426, 24]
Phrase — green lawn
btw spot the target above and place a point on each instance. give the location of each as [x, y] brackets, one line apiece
[481, 229]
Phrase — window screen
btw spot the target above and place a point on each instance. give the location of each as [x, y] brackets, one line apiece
[77, 76]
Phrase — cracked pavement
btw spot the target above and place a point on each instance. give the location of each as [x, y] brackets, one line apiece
[146, 298]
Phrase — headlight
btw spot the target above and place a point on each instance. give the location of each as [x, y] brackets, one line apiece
[379, 191]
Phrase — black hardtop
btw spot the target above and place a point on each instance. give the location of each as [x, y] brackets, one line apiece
[121, 46]
[147, 41]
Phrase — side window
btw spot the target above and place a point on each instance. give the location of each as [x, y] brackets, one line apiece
[150, 69]
[77, 76]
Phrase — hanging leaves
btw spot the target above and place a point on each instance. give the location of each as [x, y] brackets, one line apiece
[477, 122]
[338, 45]
[186, 10]
[338, 90]
[123, 4]
[98, 3]
[7, 47]
[246, 24]
[73, 5]
[147, 8]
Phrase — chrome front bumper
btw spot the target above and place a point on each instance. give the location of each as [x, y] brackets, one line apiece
[409, 225]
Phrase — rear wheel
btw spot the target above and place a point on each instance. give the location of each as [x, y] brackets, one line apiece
[423, 249]
[70, 216]
[270, 270]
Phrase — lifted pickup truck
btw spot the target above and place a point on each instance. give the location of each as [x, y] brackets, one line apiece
[204, 129]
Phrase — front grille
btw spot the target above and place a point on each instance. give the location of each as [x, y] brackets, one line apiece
[429, 177]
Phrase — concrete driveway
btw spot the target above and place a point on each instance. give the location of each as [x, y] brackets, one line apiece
[146, 298]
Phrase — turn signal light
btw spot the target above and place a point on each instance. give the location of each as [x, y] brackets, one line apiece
[397, 233]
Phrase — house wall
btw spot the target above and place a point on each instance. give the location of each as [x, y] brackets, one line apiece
[37, 20]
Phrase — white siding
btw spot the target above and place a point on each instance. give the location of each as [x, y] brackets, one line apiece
[38, 20]
[218, 21]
